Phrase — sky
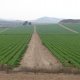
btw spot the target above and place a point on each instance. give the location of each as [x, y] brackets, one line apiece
[32, 9]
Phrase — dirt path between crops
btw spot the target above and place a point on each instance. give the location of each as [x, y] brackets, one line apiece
[38, 58]
[68, 28]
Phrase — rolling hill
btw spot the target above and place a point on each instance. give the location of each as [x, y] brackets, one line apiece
[70, 21]
[46, 20]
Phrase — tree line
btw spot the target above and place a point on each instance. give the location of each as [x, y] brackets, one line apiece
[27, 23]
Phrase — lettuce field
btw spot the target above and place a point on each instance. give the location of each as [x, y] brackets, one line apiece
[62, 42]
[13, 43]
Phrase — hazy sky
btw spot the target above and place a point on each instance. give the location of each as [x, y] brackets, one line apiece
[32, 9]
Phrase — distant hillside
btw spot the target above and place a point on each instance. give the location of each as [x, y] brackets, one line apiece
[70, 21]
[6, 23]
[46, 20]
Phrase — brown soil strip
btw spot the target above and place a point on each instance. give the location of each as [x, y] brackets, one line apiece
[38, 58]
[39, 76]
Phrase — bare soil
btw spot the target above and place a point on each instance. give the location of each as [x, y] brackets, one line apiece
[38, 58]
[38, 76]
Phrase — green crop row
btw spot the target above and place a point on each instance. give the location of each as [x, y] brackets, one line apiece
[64, 45]
[13, 43]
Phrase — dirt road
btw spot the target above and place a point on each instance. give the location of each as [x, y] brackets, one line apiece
[38, 58]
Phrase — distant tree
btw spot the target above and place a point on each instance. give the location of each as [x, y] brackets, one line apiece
[25, 23]
[30, 23]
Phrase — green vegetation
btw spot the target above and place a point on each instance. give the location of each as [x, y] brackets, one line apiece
[13, 43]
[63, 44]
[76, 26]
[52, 29]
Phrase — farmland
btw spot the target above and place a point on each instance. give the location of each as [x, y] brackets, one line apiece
[46, 49]
[13, 43]
[75, 26]
[63, 43]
